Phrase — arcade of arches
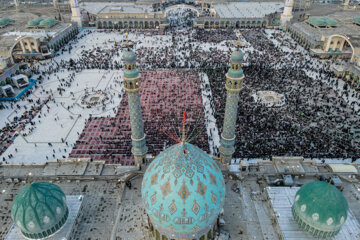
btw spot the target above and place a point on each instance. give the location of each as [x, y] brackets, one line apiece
[156, 24]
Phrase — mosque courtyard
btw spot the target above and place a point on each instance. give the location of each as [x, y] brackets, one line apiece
[182, 131]
[87, 114]
[76, 129]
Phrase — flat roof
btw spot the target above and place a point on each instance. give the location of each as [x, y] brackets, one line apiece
[344, 26]
[118, 8]
[343, 168]
[247, 9]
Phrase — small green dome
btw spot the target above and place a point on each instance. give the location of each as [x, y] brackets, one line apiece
[235, 73]
[320, 208]
[237, 56]
[131, 73]
[35, 22]
[48, 22]
[39, 210]
[4, 21]
[129, 56]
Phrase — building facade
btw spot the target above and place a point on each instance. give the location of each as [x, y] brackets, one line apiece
[209, 15]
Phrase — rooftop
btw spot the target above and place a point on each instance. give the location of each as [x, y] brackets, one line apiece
[246, 212]
[247, 9]
[322, 21]
[344, 26]
[97, 8]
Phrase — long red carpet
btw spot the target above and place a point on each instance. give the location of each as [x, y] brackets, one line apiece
[164, 94]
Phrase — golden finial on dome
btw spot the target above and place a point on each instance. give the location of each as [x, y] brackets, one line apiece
[238, 43]
[183, 138]
[127, 40]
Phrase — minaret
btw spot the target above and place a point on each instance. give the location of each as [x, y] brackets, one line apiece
[56, 4]
[233, 85]
[17, 4]
[76, 15]
[132, 87]
[286, 16]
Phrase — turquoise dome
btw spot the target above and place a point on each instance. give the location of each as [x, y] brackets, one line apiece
[183, 194]
[131, 73]
[4, 21]
[321, 208]
[129, 56]
[237, 56]
[35, 22]
[235, 73]
[39, 210]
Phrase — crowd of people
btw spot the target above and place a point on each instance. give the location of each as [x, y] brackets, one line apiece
[164, 95]
[315, 122]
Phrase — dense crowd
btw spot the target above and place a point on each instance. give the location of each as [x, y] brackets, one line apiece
[315, 122]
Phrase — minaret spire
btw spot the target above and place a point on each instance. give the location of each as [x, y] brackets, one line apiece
[132, 87]
[238, 43]
[127, 41]
[75, 13]
[233, 85]
[286, 16]
[183, 138]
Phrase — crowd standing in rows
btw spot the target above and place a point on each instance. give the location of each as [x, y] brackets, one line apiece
[316, 121]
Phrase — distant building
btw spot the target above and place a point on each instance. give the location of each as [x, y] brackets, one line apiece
[209, 14]
[334, 36]
[42, 38]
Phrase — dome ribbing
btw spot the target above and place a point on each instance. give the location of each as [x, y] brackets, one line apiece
[39, 210]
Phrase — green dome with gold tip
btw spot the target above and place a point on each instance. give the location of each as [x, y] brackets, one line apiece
[129, 56]
[39, 210]
[183, 192]
[320, 209]
[237, 56]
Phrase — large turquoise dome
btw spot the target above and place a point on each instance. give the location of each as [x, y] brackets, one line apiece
[183, 191]
[39, 210]
[320, 209]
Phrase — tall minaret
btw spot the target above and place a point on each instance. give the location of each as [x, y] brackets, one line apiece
[132, 87]
[233, 85]
[286, 16]
[56, 4]
[17, 4]
[76, 15]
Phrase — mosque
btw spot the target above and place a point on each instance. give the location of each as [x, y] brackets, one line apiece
[183, 189]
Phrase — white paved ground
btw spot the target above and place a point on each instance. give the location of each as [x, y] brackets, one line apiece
[32, 146]
[71, 116]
